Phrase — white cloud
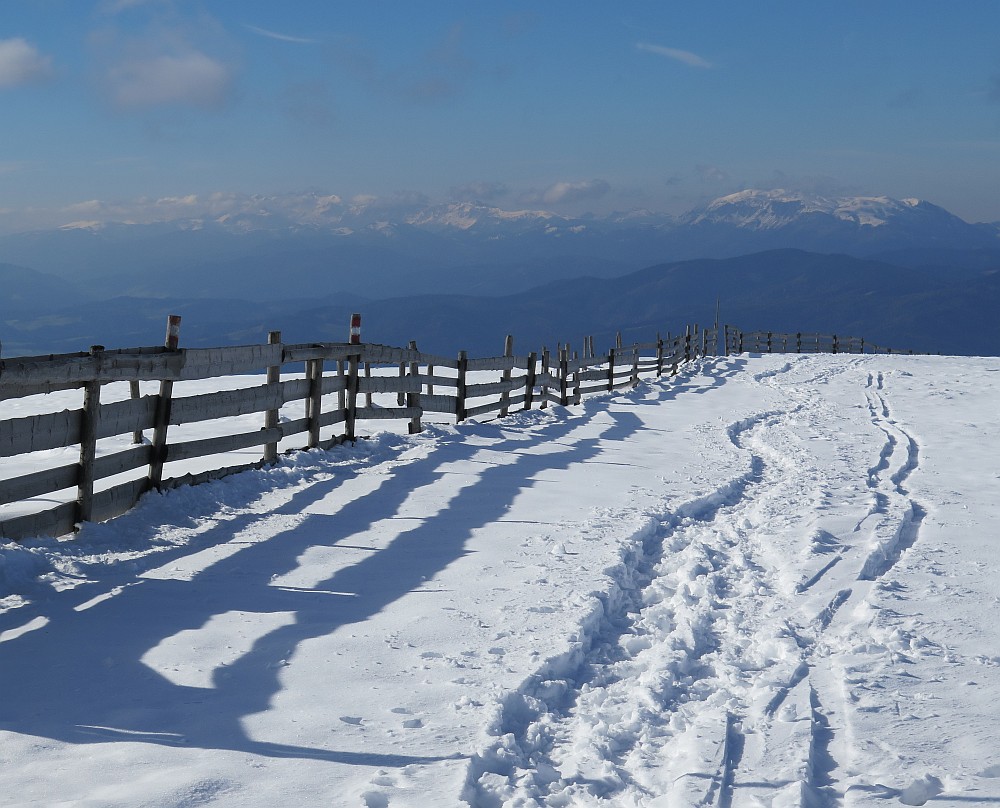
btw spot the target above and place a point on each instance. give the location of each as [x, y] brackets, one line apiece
[21, 63]
[280, 37]
[575, 191]
[688, 58]
[189, 77]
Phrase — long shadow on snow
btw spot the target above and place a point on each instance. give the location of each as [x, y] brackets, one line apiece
[80, 678]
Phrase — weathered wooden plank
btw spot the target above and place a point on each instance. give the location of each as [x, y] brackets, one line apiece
[332, 417]
[15, 390]
[391, 384]
[592, 375]
[387, 413]
[493, 388]
[595, 388]
[439, 381]
[33, 433]
[132, 458]
[118, 499]
[139, 364]
[56, 521]
[388, 355]
[294, 390]
[130, 415]
[333, 384]
[225, 403]
[438, 403]
[206, 363]
[289, 428]
[305, 352]
[498, 363]
[39, 483]
[226, 443]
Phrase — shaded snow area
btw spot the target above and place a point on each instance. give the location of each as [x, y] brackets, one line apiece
[769, 581]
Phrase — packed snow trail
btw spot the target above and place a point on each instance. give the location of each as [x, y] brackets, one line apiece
[760, 583]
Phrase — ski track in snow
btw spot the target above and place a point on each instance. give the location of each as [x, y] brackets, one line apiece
[665, 701]
[733, 655]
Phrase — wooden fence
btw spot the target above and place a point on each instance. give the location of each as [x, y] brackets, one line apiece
[337, 389]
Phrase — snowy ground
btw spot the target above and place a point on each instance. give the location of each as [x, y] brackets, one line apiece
[771, 581]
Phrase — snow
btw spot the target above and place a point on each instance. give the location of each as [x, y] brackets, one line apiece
[769, 581]
[766, 210]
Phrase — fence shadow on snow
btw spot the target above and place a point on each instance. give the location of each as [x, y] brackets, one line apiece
[336, 385]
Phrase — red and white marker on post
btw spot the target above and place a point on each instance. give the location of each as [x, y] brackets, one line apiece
[173, 332]
[355, 329]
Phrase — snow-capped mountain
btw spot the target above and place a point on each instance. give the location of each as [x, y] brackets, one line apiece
[769, 210]
[366, 246]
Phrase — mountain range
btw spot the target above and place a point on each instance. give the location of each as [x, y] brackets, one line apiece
[464, 274]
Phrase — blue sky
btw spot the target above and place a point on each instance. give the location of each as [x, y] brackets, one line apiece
[108, 105]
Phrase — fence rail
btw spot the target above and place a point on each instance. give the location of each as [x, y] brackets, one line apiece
[412, 381]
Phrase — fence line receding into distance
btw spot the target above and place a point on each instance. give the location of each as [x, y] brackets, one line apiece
[337, 390]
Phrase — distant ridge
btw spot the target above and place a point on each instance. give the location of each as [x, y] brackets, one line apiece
[923, 309]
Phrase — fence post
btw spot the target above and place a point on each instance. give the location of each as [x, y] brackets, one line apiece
[508, 350]
[271, 416]
[544, 391]
[725, 340]
[769, 342]
[687, 344]
[577, 383]
[401, 396]
[133, 391]
[564, 376]
[463, 370]
[611, 369]
[88, 443]
[529, 380]
[798, 342]
[834, 343]
[635, 365]
[314, 401]
[158, 453]
[413, 397]
[353, 361]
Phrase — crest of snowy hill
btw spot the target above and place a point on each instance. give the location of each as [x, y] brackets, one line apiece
[855, 225]
[769, 210]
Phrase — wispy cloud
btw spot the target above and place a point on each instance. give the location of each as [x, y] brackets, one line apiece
[575, 191]
[280, 37]
[21, 63]
[686, 57]
[189, 78]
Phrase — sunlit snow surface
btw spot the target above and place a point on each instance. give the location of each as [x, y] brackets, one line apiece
[771, 581]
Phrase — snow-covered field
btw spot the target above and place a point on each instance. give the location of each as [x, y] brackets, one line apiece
[770, 581]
